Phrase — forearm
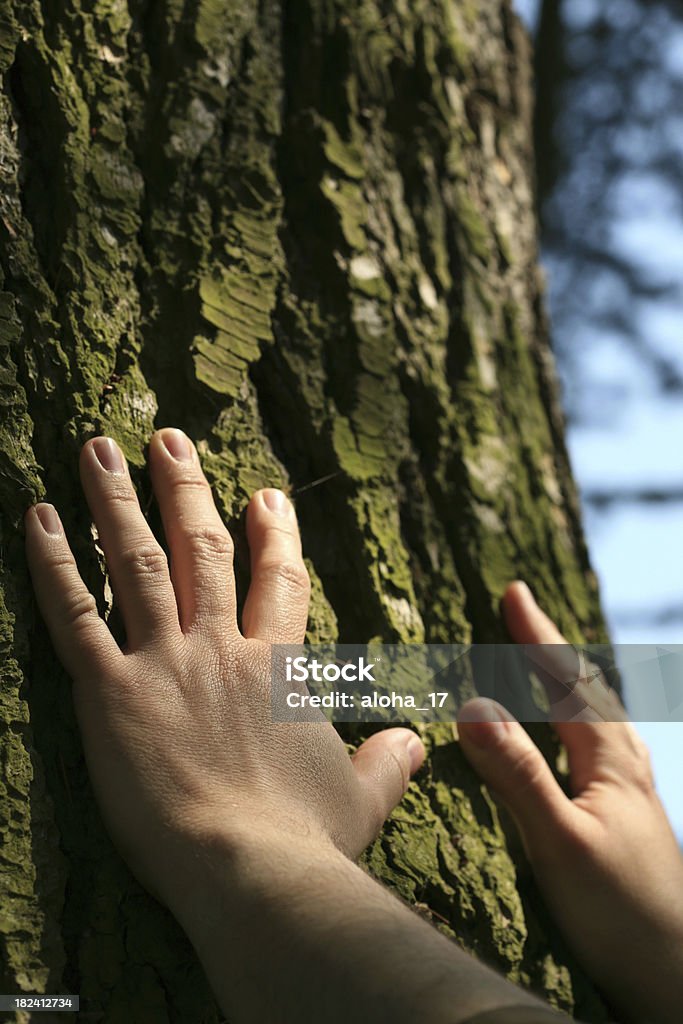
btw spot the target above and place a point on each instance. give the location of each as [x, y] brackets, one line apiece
[294, 931]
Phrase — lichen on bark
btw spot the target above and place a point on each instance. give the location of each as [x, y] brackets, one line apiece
[305, 234]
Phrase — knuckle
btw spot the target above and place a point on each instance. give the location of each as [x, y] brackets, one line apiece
[79, 609]
[145, 559]
[55, 561]
[193, 482]
[122, 495]
[398, 767]
[209, 543]
[289, 576]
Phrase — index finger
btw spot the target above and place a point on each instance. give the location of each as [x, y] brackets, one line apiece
[596, 742]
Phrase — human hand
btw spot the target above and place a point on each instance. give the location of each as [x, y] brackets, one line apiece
[606, 860]
[176, 726]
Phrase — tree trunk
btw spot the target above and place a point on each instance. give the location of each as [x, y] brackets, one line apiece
[304, 233]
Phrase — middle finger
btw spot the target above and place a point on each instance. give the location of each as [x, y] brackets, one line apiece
[201, 546]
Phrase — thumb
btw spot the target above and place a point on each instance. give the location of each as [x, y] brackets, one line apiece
[384, 765]
[511, 765]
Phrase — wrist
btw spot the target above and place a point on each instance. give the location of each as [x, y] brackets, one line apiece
[223, 871]
[242, 900]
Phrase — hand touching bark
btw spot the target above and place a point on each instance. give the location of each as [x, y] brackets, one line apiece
[177, 726]
[606, 861]
[242, 826]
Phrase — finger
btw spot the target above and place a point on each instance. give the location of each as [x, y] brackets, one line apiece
[81, 638]
[511, 765]
[558, 662]
[200, 545]
[596, 747]
[276, 608]
[135, 559]
[384, 765]
[527, 623]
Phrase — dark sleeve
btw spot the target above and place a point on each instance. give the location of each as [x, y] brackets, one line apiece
[521, 1015]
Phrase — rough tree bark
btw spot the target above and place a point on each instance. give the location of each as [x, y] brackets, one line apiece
[303, 232]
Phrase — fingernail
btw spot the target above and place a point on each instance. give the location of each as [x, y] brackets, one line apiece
[108, 455]
[49, 520]
[177, 444]
[484, 722]
[276, 501]
[416, 753]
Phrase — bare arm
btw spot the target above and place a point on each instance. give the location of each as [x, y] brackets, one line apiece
[294, 931]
